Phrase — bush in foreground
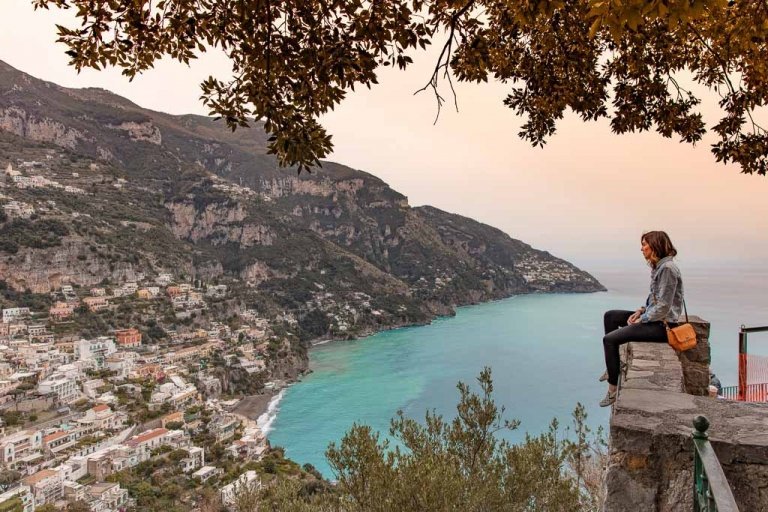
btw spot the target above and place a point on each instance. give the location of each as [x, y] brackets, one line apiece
[454, 465]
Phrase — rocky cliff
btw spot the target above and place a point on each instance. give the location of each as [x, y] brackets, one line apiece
[139, 191]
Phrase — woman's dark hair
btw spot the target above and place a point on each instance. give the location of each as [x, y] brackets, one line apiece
[660, 244]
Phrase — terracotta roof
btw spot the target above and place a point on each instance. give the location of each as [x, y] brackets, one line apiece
[100, 408]
[99, 489]
[174, 416]
[54, 436]
[39, 476]
[146, 436]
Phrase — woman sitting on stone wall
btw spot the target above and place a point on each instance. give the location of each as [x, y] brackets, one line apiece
[664, 304]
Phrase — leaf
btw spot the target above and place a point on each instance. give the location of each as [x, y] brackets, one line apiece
[594, 27]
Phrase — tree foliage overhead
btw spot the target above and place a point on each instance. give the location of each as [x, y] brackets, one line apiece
[293, 60]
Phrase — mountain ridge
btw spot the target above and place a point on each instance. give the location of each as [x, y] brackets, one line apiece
[183, 192]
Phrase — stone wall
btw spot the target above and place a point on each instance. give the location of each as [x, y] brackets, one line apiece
[651, 449]
[695, 362]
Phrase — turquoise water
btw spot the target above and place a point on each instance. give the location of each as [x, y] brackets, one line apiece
[544, 350]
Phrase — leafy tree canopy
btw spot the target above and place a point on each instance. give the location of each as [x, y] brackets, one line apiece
[294, 60]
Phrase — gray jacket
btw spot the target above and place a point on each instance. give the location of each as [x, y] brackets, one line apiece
[665, 302]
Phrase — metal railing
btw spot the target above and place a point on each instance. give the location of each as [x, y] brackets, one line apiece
[711, 492]
[741, 395]
[753, 393]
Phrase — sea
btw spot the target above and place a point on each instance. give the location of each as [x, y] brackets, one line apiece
[544, 351]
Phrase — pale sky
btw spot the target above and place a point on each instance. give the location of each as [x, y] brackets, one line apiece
[587, 196]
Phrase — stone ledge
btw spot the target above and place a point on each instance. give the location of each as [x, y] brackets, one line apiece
[652, 366]
[651, 450]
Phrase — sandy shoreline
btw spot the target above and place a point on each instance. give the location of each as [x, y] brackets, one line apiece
[254, 406]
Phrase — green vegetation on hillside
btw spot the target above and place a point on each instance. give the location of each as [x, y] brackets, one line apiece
[39, 234]
[36, 302]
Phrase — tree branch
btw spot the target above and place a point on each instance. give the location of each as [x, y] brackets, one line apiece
[444, 60]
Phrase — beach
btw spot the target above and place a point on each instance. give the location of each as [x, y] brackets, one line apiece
[261, 408]
[254, 406]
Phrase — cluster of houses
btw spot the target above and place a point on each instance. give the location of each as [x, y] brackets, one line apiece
[18, 209]
[184, 297]
[73, 461]
[69, 453]
[542, 273]
[23, 180]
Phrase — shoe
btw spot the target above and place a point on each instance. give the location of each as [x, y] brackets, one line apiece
[603, 377]
[608, 400]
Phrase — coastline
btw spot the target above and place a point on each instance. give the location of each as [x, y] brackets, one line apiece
[254, 406]
[371, 330]
[449, 313]
[261, 409]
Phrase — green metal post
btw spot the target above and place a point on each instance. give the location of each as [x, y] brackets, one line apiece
[711, 492]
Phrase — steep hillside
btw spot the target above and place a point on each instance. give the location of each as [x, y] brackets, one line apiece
[101, 190]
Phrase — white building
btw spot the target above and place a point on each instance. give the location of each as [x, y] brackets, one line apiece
[12, 314]
[47, 486]
[107, 461]
[164, 279]
[96, 349]
[148, 441]
[91, 387]
[20, 445]
[206, 473]
[101, 417]
[248, 480]
[130, 288]
[195, 460]
[18, 209]
[66, 388]
[216, 291]
[23, 495]
[36, 330]
[122, 363]
[107, 497]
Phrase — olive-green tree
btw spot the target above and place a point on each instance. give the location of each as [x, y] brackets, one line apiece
[439, 465]
[461, 464]
[8, 477]
[290, 495]
[587, 458]
[294, 60]
[245, 497]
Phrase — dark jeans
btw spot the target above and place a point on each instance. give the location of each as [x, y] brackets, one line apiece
[617, 333]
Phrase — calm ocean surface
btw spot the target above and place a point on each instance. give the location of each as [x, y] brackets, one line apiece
[544, 350]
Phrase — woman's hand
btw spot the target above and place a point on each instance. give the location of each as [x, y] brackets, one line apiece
[635, 318]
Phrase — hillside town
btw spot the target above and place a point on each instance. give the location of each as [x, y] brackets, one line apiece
[157, 295]
[80, 413]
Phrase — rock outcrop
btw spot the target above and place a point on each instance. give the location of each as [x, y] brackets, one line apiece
[40, 129]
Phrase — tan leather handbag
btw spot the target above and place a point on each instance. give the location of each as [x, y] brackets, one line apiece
[682, 337]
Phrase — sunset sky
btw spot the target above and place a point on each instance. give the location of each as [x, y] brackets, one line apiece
[587, 196]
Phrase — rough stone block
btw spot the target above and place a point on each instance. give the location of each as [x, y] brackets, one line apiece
[696, 361]
[651, 449]
[624, 491]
